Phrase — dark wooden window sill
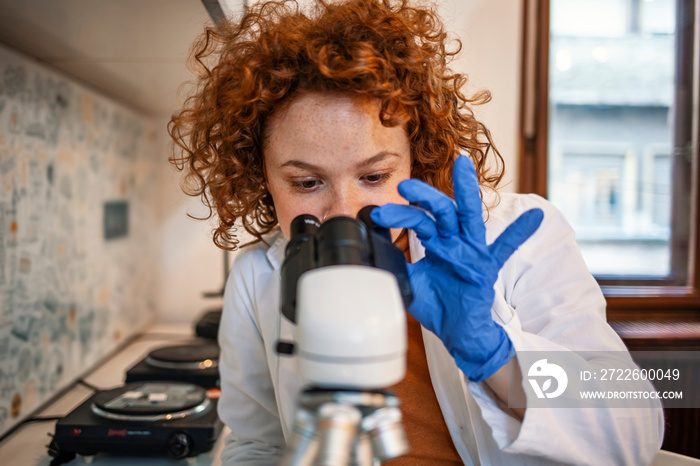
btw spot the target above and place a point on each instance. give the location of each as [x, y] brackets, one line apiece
[664, 330]
[654, 334]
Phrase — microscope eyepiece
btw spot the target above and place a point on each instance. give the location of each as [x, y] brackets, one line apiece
[303, 227]
[342, 241]
[338, 241]
[364, 216]
[299, 257]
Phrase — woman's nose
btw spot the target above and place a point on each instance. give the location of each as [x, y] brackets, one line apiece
[344, 204]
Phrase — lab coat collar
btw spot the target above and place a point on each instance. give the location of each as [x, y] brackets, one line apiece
[275, 254]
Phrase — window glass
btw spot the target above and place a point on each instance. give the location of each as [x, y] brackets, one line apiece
[589, 18]
[611, 101]
[658, 17]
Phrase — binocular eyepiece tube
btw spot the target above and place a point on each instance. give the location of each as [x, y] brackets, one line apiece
[338, 241]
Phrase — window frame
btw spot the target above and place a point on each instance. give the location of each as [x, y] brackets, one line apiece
[626, 298]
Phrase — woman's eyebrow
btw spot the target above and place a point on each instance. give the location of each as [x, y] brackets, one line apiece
[363, 164]
[376, 158]
[300, 164]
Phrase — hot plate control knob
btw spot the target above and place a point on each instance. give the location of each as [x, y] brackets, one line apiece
[180, 445]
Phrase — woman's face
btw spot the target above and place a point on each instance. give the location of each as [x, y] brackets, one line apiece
[329, 155]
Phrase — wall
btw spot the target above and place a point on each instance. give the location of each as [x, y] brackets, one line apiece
[71, 288]
[491, 35]
[189, 264]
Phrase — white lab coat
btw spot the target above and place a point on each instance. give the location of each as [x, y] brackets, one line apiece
[545, 299]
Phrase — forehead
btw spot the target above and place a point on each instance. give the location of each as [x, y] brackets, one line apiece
[317, 121]
[337, 102]
[308, 111]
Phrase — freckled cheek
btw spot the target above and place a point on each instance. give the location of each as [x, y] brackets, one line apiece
[288, 207]
[286, 212]
[284, 217]
[392, 194]
[396, 198]
[283, 207]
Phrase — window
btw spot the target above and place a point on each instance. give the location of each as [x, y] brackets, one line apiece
[610, 123]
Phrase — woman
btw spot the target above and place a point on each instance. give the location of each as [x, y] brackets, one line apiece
[352, 104]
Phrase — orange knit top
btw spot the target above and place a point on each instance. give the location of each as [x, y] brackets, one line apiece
[426, 431]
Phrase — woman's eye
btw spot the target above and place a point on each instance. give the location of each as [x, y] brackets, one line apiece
[376, 177]
[306, 184]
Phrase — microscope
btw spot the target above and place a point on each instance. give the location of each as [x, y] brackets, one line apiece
[345, 287]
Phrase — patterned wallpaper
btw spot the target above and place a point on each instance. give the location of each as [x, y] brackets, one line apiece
[77, 223]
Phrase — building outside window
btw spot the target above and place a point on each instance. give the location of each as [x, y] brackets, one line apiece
[608, 134]
[611, 94]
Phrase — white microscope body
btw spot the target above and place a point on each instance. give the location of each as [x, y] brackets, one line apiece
[345, 286]
[351, 328]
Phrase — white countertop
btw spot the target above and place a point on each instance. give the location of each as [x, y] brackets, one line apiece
[27, 445]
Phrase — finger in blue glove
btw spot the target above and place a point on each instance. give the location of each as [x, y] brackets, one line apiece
[453, 285]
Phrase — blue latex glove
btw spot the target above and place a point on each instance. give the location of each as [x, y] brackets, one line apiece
[453, 285]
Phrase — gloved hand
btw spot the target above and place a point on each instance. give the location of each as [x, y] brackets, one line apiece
[453, 285]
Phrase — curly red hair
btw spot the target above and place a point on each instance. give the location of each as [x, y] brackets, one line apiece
[249, 69]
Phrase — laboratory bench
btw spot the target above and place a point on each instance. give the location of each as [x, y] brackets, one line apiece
[27, 444]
